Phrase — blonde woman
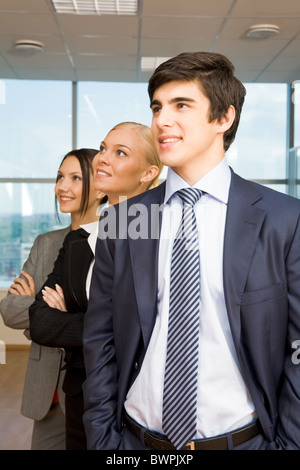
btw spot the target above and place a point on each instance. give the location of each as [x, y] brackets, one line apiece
[126, 165]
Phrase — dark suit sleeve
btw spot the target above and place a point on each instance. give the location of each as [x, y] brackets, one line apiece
[100, 387]
[288, 428]
[50, 326]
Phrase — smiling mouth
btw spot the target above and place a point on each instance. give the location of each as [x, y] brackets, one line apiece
[102, 173]
[169, 140]
[173, 139]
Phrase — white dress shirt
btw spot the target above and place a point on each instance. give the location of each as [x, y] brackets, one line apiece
[92, 229]
[224, 403]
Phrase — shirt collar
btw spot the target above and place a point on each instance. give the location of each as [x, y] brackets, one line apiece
[91, 227]
[216, 182]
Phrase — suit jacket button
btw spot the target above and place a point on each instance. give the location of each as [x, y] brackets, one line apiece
[136, 365]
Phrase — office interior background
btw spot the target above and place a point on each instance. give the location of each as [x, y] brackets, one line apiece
[70, 70]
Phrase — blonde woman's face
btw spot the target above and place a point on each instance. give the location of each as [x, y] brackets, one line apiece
[120, 164]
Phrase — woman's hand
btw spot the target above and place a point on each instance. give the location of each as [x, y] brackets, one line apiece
[55, 298]
[23, 286]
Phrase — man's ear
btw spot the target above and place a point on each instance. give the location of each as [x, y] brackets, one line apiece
[227, 120]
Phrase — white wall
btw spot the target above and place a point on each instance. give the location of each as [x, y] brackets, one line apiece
[9, 335]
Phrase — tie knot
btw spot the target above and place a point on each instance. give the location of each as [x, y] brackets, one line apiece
[189, 196]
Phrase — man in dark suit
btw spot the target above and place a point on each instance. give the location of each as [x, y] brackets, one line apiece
[247, 392]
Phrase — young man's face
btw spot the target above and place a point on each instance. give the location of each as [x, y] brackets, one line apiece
[184, 138]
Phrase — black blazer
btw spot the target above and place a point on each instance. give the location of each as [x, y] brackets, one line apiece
[54, 328]
[261, 272]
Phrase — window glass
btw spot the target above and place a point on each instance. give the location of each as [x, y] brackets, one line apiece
[282, 188]
[28, 209]
[103, 105]
[296, 100]
[36, 132]
[260, 147]
[259, 150]
[36, 127]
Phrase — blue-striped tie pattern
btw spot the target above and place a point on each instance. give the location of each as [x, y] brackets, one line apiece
[180, 384]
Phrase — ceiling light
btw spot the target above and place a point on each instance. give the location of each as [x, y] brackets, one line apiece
[262, 31]
[150, 63]
[28, 46]
[96, 7]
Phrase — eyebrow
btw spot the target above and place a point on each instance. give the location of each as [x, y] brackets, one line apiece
[116, 145]
[122, 145]
[178, 99]
[72, 173]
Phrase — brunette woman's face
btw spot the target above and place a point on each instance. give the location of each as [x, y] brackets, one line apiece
[68, 188]
[120, 164]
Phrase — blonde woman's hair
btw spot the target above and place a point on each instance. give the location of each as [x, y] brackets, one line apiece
[150, 151]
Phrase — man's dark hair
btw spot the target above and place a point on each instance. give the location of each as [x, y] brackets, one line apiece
[215, 75]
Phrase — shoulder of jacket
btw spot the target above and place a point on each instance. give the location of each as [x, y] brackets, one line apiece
[54, 234]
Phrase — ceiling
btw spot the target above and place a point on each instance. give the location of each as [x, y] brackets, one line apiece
[110, 48]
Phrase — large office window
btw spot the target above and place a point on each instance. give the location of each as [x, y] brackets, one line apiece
[35, 133]
[102, 105]
[260, 149]
[296, 101]
[294, 154]
[36, 126]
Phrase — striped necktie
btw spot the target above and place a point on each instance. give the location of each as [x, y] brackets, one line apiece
[180, 383]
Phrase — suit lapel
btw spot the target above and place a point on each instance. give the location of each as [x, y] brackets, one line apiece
[144, 258]
[243, 224]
